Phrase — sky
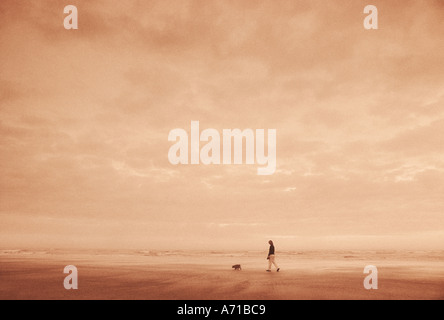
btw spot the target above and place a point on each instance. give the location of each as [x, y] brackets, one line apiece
[86, 113]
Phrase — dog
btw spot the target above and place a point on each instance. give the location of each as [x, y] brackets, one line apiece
[237, 267]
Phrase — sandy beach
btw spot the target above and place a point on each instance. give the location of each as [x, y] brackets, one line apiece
[196, 275]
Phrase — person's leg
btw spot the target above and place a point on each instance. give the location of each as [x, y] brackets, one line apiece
[270, 261]
[275, 264]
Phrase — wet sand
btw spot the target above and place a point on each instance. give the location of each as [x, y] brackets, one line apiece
[176, 276]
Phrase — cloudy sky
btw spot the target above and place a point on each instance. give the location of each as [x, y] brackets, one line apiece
[85, 117]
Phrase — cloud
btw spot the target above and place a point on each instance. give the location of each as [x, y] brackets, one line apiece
[420, 141]
[86, 116]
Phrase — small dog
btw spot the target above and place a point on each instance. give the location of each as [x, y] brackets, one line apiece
[237, 267]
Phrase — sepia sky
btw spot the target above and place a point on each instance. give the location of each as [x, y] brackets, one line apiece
[85, 117]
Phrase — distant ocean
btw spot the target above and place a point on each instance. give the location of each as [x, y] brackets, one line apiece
[253, 259]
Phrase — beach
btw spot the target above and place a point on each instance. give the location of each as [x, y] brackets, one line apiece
[199, 275]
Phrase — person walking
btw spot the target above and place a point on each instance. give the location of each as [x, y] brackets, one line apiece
[271, 257]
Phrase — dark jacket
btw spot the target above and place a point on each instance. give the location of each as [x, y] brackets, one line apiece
[271, 250]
